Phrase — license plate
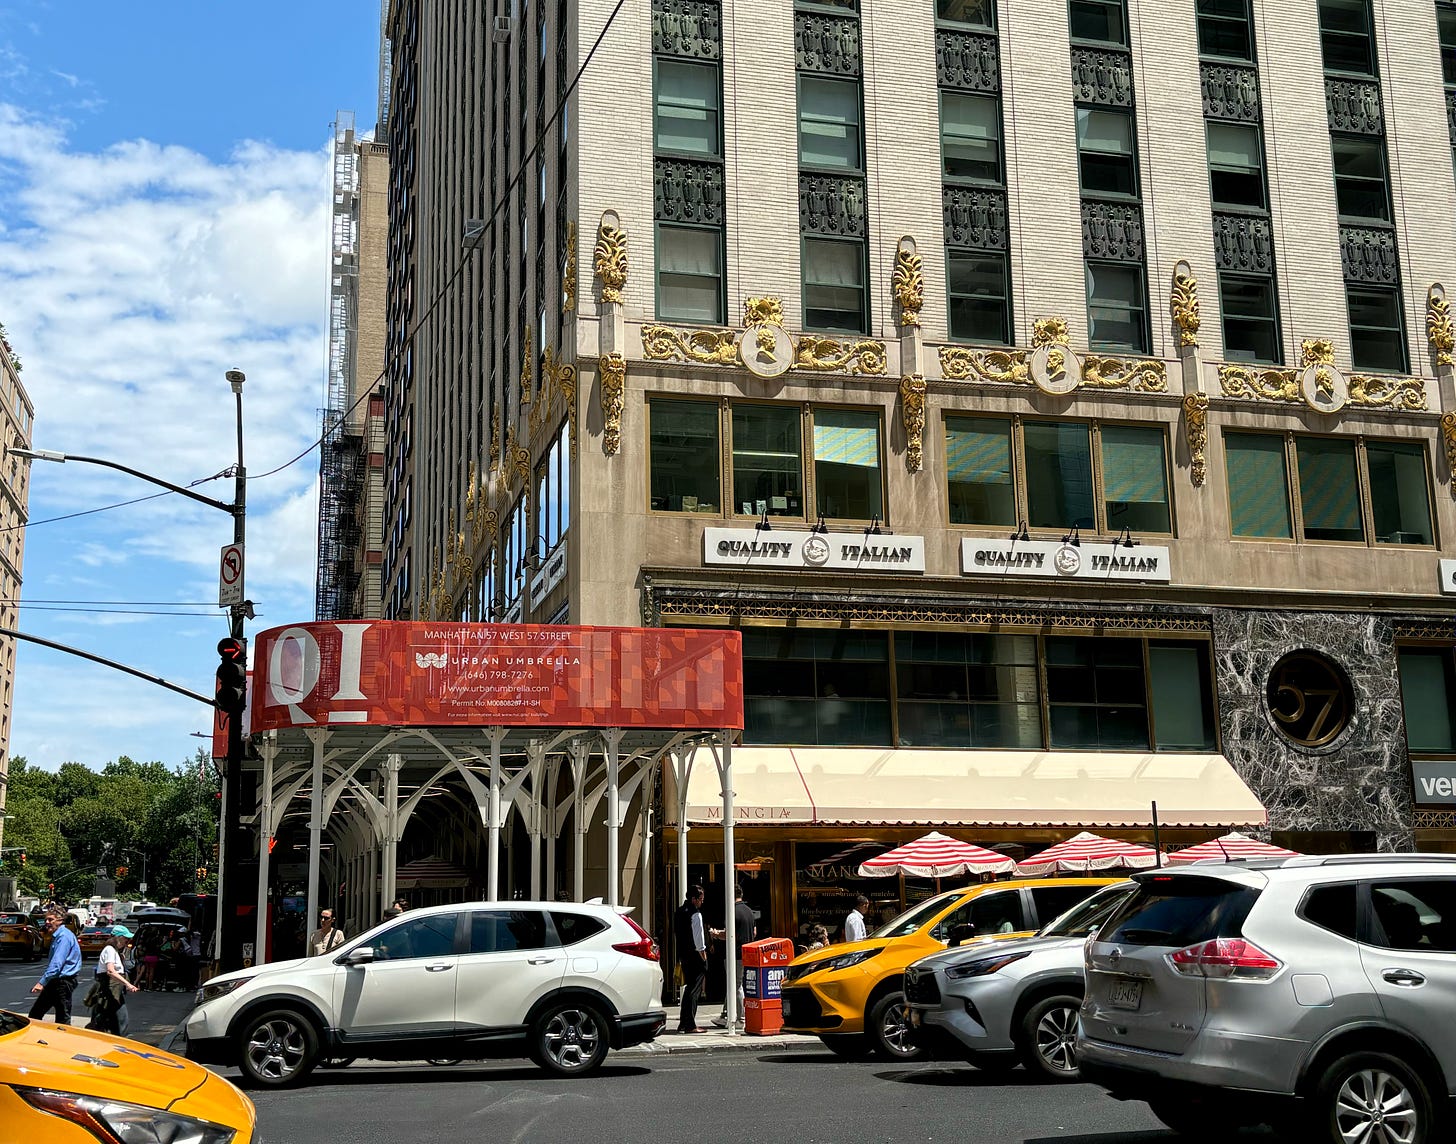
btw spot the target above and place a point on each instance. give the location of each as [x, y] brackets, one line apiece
[1127, 993]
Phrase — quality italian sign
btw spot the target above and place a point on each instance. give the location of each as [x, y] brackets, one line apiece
[401, 673]
[1048, 560]
[834, 551]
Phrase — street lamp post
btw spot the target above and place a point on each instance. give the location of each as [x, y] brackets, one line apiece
[232, 843]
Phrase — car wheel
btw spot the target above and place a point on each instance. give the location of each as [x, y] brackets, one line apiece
[278, 1048]
[569, 1039]
[1375, 1097]
[847, 1046]
[890, 1028]
[1048, 1037]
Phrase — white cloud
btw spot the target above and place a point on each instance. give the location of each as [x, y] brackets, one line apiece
[131, 279]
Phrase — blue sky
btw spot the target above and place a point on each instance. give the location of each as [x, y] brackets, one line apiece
[164, 217]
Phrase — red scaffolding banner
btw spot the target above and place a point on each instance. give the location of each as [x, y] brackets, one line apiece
[404, 673]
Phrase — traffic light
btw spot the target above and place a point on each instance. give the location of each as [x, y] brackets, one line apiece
[51, 888]
[121, 871]
[22, 859]
[201, 873]
[232, 676]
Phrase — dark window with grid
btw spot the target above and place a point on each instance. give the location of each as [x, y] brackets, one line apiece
[980, 296]
[969, 13]
[1377, 328]
[834, 285]
[1345, 36]
[689, 273]
[1428, 694]
[830, 688]
[1117, 307]
[1236, 166]
[829, 124]
[1224, 29]
[970, 137]
[1096, 693]
[1400, 496]
[967, 690]
[1106, 153]
[1361, 187]
[687, 118]
[682, 448]
[1250, 308]
[1098, 21]
[1446, 27]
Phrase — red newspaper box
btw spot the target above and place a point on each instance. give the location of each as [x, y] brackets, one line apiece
[764, 965]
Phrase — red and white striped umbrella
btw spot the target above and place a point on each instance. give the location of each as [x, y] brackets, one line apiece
[1233, 845]
[1085, 853]
[936, 856]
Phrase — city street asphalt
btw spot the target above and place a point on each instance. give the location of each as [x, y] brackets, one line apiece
[706, 1089]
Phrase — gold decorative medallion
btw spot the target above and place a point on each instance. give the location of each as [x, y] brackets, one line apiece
[1440, 331]
[1184, 305]
[613, 367]
[912, 413]
[610, 260]
[908, 281]
[1195, 424]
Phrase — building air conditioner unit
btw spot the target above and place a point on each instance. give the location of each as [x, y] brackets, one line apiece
[501, 33]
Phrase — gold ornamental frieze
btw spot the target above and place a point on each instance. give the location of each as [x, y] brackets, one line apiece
[1195, 423]
[612, 368]
[1320, 386]
[1137, 375]
[764, 347]
[1014, 367]
[912, 413]
[1448, 435]
[568, 271]
[1000, 367]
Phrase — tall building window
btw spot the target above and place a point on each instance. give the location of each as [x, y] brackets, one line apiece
[1368, 247]
[832, 217]
[973, 173]
[688, 179]
[1446, 28]
[1238, 183]
[1112, 218]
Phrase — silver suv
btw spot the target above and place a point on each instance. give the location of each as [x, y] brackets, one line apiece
[1317, 994]
[1000, 1003]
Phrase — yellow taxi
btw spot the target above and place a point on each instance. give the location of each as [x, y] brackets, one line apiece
[65, 1085]
[21, 937]
[850, 995]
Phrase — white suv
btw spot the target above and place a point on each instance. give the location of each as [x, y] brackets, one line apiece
[558, 982]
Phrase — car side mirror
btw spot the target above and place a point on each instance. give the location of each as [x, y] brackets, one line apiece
[362, 955]
[961, 933]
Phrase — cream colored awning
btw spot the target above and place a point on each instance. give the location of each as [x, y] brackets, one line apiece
[833, 785]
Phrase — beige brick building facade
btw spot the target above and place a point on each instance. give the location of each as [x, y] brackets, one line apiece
[17, 416]
[1024, 290]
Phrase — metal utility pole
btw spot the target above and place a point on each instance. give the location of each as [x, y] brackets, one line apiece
[234, 842]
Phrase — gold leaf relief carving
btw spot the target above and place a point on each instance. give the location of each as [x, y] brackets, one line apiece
[759, 310]
[959, 363]
[495, 445]
[526, 365]
[568, 271]
[1195, 416]
[1448, 435]
[610, 261]
[567, 379]
[1259, 384]
[1440, 331]
[1407, 393]
[709, 347]
[1140, 375]
[826, 354]
[1050, 332]
[1185, 309]
[908, 283]
[470, 492]
[613, 367]
[912, 413]
[1316, 351]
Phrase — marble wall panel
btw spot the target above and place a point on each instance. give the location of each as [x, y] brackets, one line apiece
[1360, 780]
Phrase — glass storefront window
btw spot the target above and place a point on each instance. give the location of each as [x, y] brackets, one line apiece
[816, 687]
[1182, 695]
[1135, 479]
[1096, 693]
[683, 448]
[768, 467]
[1399, 494]
[975, 690]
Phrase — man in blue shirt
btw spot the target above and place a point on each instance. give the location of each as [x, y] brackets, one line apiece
[58, 981]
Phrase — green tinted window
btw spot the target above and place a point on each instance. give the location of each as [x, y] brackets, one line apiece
[1258, 483]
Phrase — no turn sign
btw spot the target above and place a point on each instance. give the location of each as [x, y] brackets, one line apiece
[230, 576]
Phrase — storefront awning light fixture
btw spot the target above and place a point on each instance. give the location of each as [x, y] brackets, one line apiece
[1124, 539]
[763, 524]
[820, 525]
[1073, 537]
[1019, 532]
[873, 528]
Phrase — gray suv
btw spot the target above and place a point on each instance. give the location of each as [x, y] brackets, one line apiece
[1317, 994]
[1000, 1003]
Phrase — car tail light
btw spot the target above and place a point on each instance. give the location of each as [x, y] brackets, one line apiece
[644, 947]
[1226, 958]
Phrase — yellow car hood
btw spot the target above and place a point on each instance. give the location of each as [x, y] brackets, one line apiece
[44, 1055]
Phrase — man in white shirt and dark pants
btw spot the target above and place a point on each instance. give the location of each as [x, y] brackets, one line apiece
[854, 924]
[692, 955]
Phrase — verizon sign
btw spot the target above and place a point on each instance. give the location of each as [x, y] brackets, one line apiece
[1049, 560]
[1448, 577]
[1435, 782]
[833, 551]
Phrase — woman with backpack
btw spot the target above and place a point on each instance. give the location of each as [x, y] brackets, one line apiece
[111, 984]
